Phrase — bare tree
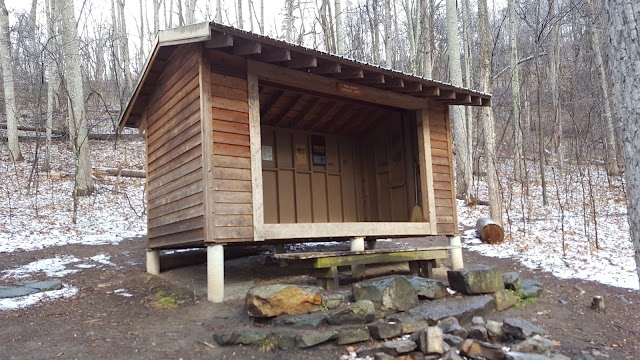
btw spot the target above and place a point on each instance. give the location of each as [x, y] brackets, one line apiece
[75, 95]
[624, 22]
[339, 27]
[156, 15]
[53, 77]
[518, 161]
[460, 131]
[8, 86]
[219, 11]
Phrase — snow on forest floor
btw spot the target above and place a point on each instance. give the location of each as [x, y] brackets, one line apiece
[37, 213]
[583, 233]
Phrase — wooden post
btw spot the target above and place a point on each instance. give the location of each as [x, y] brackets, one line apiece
[215, 273]
[456, 253]
[427, 191]
[206, 128]
[153, 262]
[357, 244]
[255, 143]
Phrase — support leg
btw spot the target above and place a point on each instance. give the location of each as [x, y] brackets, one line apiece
[153, 262]
[357, 244]
[456, 253]
[215, 273]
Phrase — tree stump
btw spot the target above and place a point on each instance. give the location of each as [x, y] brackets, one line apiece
[489, 231]
[597, 304]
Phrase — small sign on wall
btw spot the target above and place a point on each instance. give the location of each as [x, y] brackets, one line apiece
[301, 154]
[267, 153]
[349, 89]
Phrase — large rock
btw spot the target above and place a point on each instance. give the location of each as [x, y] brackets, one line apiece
[479, 333]
[534, 345]
[512, 281]
[463, 308]
[308, 338]
[360, 312]
[385, 329]
[515, 328]
[451, 326]
[410, 324]
[514, 355]
[476, 279]
[280, 299]
[284, 337]
[352, 335]
[16, 291]
[245, 336]
[505, 299]
[531, 288]
[452, 340]
[429, 340]
[304, 321]
[452, 355]
[428, 288]
[494, 330]
[333, 300]
[478, 349]
[393, 293]
[393, 348]
[42, 285]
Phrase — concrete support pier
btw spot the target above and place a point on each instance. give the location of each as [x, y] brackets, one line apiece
[215, 273]
[357, 244]
[153, 262]
[456, 253]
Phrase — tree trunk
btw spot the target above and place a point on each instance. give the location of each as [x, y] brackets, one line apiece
[142, 33]
[468, 80]
[124, 41]
[339, 28]
[53, 80]
[218, 11]
[611, 147]
[489, 231]
[239, 15]
[624, 57]
[388, 49]
[554, 62]
[75, 94]
[486, 115]
[412, 39]
[425, 41]
[518, 161]
[156, 16]
[7, 85]
[191, 11]
[464, 176]
[288, 20]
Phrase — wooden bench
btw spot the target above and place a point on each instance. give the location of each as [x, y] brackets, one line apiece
[421, 261]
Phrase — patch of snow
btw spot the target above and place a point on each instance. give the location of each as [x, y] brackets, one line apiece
[583, 233]
[29, 300]
[122, 292]
[52, 267]
[102, 259]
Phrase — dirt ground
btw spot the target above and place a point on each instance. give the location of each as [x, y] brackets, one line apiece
[97, 323]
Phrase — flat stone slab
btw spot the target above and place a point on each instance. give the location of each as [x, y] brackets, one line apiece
[462, 308]
[309, 321]
[46, 285]
[7, 292]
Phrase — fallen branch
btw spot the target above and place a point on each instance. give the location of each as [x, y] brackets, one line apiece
[106, 171]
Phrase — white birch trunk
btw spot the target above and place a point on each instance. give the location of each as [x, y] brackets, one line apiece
[53, 78]
[388, 49]
[464, 175]
[425, 40]
[611, 156]
[555, 88]
[142, 36]
[412, 39]
[8, 86]
[339, 27]
[156, 16]
[468, 61]
[624, 26]
[239, 15]
[515, 95]
[80, 139]
[486, 116]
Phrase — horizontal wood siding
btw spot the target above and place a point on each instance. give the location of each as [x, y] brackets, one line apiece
[441, 157]
[233, 220]
[174, 154]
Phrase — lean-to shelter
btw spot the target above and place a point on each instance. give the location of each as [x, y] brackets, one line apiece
[254, 140]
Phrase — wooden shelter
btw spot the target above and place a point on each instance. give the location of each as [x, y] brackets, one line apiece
[251, 139]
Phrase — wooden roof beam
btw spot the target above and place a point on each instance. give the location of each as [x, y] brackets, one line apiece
[372, 78]
[486, 102]
[274, 55]
[411, 87]
[327, 68]
[244, 48]
[391, 82]
[431, 91]
[347, 74]
[219, 40]
[301, 61]
[476, 101]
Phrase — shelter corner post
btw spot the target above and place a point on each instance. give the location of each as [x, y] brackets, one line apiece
[455, 252]
[215, 273]
[153, 262]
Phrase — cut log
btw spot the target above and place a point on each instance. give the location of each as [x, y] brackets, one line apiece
[597, 304]
[106, 171]
[489, 231]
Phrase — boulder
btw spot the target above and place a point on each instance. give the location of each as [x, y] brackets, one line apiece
[16, 291]
[393, 293]
[429, 340]
[308, 338]
[304, 321]
[452, 340]
[478, 349]
[463, 308]
[477, 321]
[476, 279]
[333, 300]
[530, 289]
[534, 345]
[505, 299]
[451, 326]
[494, 330]
[360, 312]
[42, 285]
[410, 324]
[428, 288]
[452, 355]
[515, 328]
[393, 348]
[284, 337]
[512, 281]
[382, 356]
[352, 335]
[478, 333]
[385, 330]
[244, 336]
[280, 299]
[514, 355]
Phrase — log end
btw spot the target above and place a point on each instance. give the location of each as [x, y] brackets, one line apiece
[492, 234]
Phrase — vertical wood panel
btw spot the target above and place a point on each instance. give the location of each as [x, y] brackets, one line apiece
[426, 167]
[286, 196]
[256, 154]
[334, 193]
[207, 147]
[319, 197]
[270, 183]
[303, 198]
